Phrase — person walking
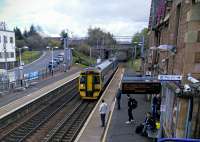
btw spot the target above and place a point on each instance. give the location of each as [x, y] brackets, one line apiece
[118, 97]
[130, 109]
[103, 110]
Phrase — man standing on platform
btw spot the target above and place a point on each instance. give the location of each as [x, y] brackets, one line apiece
[102, 110]
[118, 97]
[130, 109]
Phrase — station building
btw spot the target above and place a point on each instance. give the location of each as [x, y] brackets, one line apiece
[7, 48]
[174, 49]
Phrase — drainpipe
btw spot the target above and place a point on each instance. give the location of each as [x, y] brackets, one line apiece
[189, 119]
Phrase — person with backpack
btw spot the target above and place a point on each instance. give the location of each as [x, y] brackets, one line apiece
[132, 104]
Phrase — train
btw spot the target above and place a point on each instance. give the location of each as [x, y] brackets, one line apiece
[93, 80]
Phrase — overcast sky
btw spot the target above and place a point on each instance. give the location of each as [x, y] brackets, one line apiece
[120, 17]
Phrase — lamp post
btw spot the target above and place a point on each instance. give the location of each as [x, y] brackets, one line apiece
[5, 52]
[52, 63]
[67, 50]
[21, 66]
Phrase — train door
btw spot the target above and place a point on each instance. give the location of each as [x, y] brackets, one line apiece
[83, 82]
[89, 85]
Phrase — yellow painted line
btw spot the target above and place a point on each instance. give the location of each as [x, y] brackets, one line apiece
[91, 114]
[111, 113]
[93, 111]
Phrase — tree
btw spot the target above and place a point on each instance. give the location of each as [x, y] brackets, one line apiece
[32, 31]
[18, 34]
[36, 42]
[25, 34]
[63, 34]
[137, 38]
[97, 36]
[54, 43]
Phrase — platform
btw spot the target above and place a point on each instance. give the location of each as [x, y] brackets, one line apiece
[21, 102]
[14, 95]
[116, 130]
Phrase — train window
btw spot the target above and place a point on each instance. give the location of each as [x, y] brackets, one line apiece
[97, 79]
[83, 79]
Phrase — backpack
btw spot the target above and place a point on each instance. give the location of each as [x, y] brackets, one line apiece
[139, 129]
[133, 103]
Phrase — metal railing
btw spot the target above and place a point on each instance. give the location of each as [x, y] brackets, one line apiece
[29, 79]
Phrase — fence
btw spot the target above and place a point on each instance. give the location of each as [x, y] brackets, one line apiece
[29, 79]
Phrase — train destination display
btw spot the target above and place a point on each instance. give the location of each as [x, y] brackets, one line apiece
[141, 87]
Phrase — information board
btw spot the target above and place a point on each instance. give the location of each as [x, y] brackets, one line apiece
[141, 87]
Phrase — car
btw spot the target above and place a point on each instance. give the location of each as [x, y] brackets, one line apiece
[52, 64]
[57, 60]
[61, 58]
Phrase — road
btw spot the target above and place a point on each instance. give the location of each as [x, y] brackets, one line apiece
[11, 96]
[37, 65]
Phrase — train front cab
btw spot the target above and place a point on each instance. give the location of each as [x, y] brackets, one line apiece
[89, 85]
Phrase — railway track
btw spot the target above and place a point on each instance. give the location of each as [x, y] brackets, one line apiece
[68, 128]
[21, 132]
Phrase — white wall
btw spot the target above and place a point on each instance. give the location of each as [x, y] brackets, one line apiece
[10, 47]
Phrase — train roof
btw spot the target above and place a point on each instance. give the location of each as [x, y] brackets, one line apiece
[104, 64]
[90, 69]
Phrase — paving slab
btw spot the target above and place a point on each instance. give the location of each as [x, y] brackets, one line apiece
[119, 131]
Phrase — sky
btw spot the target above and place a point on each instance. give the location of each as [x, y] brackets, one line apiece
[119, 17]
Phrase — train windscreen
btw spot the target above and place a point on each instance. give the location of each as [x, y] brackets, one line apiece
[96, 79]
[83, 79]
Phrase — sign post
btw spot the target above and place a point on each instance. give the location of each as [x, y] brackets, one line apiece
[170, 77]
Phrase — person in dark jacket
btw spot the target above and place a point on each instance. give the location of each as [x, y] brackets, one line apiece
[118, 98]
[154, 106]
[130, 109]
[149, 123]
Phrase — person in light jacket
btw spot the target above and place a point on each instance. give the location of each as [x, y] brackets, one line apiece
[103, 110]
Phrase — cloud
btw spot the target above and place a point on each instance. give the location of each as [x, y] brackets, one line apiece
[116, 16]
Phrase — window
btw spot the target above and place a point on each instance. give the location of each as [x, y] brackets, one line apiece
[12, 54]
[1, 55]
[83, 79]
[177, 22]
[11, 39]
[0, 38]
[96, 79]
[5, 39]
[195, 1]
[198, 36]
[197, 57]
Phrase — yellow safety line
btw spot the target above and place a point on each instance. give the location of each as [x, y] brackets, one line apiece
[110, 115]
[91, 114]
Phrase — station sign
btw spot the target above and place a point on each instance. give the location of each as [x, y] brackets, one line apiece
[170, 77]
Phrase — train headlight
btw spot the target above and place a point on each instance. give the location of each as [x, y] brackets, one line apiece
[82, 85]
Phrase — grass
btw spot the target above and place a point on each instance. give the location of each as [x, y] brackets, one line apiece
[135, 65]
[82, 59]
[30, 56]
